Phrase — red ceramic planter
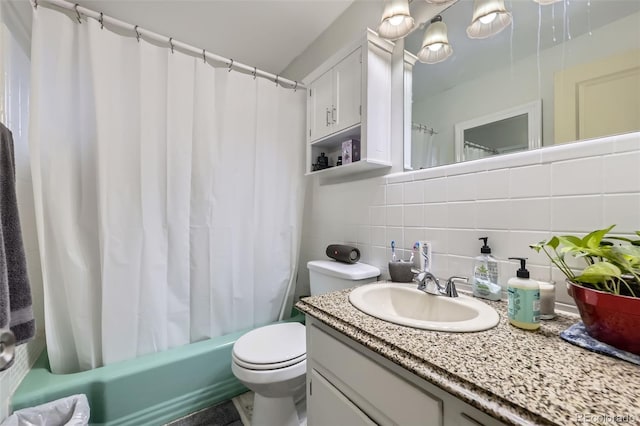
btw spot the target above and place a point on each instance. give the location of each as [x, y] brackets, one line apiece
[612, 319]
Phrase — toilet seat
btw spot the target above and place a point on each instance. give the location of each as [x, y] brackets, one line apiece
[271, 347]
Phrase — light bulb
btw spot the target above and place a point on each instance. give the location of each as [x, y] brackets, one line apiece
[435, 47]
[396, 20]
[487, 19]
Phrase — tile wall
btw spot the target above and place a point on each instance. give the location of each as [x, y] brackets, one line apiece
[515, 200]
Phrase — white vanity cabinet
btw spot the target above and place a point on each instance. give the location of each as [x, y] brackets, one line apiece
[349, 98]
[347, 384]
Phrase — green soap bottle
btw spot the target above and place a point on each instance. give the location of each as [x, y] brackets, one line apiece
[523, 298]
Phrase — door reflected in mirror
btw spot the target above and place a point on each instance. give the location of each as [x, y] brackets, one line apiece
[579, 60]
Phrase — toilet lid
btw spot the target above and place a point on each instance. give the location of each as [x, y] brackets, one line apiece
[272, 346]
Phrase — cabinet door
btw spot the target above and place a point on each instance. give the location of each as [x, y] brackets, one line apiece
[326, 405]
[320, 104]
[347, 81]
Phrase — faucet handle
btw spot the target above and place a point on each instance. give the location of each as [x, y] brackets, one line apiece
[450, 289]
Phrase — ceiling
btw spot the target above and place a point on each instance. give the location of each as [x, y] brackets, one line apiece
[268, 34]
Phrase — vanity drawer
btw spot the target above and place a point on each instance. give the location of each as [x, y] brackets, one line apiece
[384, 396]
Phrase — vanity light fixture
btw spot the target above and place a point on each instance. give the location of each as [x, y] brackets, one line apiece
[489, 18]
[435, 45]
[545, 2]
[396, 20]
[438, 1]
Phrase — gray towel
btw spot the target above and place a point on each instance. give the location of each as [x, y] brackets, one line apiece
[15, 293]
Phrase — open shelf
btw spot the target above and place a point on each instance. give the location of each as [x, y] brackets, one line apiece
[351, 168]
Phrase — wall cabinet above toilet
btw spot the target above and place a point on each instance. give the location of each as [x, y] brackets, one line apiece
[349, 99]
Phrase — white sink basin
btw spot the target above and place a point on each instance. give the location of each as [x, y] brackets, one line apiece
[404, 304]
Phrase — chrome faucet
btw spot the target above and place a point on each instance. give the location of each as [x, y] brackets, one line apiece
[428, 283]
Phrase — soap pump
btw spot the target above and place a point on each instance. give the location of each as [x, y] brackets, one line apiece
[484, 281]
[523, 298]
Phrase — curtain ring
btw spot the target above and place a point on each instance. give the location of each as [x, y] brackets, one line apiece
[295, 87]
[254, 72]
[171, 43]
[35, 4]
[78, 17]
[204, 56]
[137, 33]
[230, 65]
[277, 77]
[101, 21]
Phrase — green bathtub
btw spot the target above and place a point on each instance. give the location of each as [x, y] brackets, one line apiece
[149, 390]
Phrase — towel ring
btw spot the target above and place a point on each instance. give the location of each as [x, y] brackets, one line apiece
[230, 65]
[78, 17]
[101, 20]
[171, 43]
[137, 33]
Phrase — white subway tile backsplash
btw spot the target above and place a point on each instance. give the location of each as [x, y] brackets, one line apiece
[626, 142]
[462, 215]
[439, 239]
[516, 200]
[576, 214]
[461, 188]
[492, 185]
[577, 177]
[378, 215]
[379, 236]
[622, 211]
[412, 235]
[394, 215]
[435, 215]
[379, 196]
[413, 215]
[435, 190]
[530, 181]
[394, 194]
[582, 149]
[413, 192]
[364, 235]
[491, 214]
[464, 242]
[519, 242]
[530, 214]
[395, 234]
[621, 172]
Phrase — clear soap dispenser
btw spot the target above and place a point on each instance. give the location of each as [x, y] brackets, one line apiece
[484, 281]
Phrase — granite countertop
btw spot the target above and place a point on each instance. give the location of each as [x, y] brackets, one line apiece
[519, 377]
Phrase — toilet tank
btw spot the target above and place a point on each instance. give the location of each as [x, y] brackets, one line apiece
[326, 276]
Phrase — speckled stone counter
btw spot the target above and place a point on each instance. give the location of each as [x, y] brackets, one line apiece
[517, 376]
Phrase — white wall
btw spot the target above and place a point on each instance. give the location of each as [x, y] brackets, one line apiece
[14, 95]
[518, 84]
[515, 199]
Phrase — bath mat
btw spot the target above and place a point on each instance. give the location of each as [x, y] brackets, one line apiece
[577, 335]
[224, 414]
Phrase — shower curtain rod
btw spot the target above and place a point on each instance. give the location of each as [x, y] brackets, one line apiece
[424, 127]
[142, 32]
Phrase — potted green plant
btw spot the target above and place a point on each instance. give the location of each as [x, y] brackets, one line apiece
[606, 287]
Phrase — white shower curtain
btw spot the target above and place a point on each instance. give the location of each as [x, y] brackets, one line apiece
[168, 193]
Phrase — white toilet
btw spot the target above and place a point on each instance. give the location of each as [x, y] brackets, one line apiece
[272, 360]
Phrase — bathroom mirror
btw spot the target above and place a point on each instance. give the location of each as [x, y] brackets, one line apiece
[576, 63]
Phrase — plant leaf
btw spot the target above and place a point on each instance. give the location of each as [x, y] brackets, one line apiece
[593, 239]
[599, 272]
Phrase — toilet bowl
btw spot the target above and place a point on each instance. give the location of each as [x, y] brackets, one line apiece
[272, 360]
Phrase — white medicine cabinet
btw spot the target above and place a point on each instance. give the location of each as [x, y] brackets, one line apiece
[349, 107]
